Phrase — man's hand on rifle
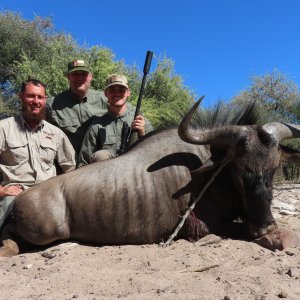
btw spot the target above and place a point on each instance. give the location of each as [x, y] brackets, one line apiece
[139, 125]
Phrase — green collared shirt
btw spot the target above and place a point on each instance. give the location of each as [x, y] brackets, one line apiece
[106, 134]
[74, 117]
[27, 156]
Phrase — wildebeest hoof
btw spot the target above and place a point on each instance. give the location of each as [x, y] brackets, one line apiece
[257, 232]
[279, 239]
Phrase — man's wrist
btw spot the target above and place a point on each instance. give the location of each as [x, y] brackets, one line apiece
[141, 133]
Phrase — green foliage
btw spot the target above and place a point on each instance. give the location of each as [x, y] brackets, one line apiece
[296, 111]
[18, 38]
[278, 94]
[32, 49]
[166, 97]
[8, 106]
[2, 108]
[102, 64]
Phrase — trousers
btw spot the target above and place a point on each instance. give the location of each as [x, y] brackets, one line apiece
[6, 206]
[101, 155]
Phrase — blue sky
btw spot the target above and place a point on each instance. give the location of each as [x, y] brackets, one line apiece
[216, 45]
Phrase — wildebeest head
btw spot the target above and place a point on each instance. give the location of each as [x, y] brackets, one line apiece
[252, 155]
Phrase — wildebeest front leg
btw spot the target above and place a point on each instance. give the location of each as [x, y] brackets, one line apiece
[195, 229]
[280, 239]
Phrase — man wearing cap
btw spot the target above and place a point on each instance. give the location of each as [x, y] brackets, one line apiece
[103, 139]
[73, 110]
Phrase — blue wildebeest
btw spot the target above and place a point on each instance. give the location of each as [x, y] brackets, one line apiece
[140, 197]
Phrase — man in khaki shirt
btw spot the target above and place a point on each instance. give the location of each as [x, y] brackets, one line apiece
[29, 147]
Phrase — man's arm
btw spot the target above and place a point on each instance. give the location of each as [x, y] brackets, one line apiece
[65, 156]
[90, 145]
[49, 112]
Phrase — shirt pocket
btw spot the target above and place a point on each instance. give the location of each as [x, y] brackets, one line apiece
[47, 153]
[17, 152]
[68, 124]
[109, 142]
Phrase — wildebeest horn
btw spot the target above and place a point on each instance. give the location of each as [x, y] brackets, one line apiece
[282, 131]
[227, 135]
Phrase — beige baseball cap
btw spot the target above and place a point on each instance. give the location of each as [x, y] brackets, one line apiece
[116, 79]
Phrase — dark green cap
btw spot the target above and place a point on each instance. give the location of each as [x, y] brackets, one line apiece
[78, 65]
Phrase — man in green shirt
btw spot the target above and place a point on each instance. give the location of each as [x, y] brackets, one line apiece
[103, 138]
[73, 110]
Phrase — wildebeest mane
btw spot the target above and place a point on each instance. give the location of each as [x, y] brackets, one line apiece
[225, 114]
[222, 114]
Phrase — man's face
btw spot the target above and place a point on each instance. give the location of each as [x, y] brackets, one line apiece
[79, 82]
[33, 102]
[117, 95]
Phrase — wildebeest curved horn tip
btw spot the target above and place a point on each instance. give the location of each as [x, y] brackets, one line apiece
[183, 131]
[194, 108]
[200, 100]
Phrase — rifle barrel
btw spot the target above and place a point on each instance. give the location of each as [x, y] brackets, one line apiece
[146, 69]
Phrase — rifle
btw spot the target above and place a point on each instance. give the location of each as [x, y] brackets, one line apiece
[127, 133]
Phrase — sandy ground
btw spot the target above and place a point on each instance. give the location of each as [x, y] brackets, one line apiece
[228, 269]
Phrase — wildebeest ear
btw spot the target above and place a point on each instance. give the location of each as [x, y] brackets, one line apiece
[213, 162]
[290, 154]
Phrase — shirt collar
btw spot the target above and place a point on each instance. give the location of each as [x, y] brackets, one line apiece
[118, 116]
[24, 125]
[76, 99]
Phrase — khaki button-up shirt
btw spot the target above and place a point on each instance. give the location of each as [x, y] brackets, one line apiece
[27, 156]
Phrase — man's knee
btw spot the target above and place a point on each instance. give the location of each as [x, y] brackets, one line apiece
[6, 207]
[101, 155]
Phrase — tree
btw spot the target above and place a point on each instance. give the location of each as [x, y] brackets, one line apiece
[276, 93]
[20, 38]
[102, 61]
[7, 107]
[279, 98]
[166, 98]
